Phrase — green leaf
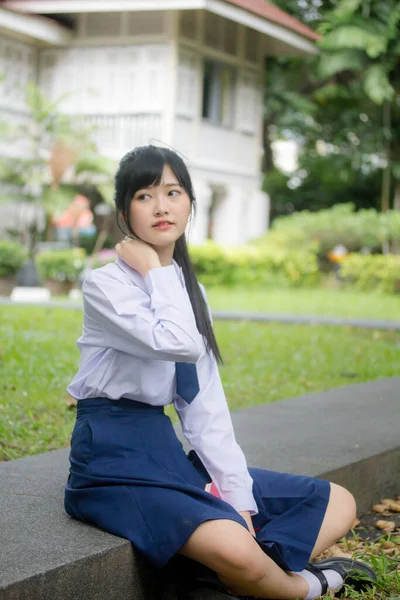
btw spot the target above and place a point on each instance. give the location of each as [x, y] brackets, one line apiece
[346, 8]
[377, 85]
[393, 22]
[107, 192]
[331, 92]
[396, 170]
[59, 199]
[353, 36]
[342, 60]
[95, 164]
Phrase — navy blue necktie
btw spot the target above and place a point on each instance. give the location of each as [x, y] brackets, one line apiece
[187, 382]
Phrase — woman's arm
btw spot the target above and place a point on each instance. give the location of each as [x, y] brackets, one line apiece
[156, 325]
[206, 424]
[247, 517]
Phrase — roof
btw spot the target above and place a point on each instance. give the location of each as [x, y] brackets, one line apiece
[261, 8]
[269, 11]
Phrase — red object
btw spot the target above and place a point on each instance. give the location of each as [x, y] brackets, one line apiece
[212, 489]
[272, 13]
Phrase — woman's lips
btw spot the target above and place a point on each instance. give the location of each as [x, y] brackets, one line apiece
[163, 226]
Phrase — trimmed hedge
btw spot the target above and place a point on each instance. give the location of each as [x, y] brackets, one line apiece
[61, 265]
[12, 258]
[341, 225]
[378, 272]
[253, 265]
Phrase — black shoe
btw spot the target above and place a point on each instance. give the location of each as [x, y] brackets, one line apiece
[354, 572]
[205, 587]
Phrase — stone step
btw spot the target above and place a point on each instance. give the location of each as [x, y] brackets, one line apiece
[349, 435]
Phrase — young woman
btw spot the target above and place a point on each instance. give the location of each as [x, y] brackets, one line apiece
[148, 342]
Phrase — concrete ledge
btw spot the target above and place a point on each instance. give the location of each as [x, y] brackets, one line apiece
[349, 435]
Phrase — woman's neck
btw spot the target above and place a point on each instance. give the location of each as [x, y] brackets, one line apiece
[165, 254]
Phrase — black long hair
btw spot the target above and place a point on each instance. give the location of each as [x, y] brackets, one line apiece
[141, 168]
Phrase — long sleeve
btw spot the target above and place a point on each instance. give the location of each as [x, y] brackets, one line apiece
[207, 425]
[156, 325]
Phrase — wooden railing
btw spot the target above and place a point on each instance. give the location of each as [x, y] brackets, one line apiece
[111, 133]
[119, 132]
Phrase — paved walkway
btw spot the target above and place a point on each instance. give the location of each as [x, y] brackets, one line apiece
[220, 315]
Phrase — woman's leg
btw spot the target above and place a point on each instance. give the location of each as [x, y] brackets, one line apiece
[230, 550]
[339, 518]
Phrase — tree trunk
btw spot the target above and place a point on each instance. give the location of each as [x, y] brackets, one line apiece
[396, 206]
[268, 160]
[102, 236]
[386, 175]
[396, 200]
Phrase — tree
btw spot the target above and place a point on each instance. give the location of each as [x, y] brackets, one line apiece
[57, 160]
[322, 102]
[362, 38]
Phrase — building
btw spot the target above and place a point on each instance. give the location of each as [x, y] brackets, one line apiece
[185, 73]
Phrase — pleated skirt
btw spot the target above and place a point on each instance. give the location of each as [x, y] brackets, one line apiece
[130, 476]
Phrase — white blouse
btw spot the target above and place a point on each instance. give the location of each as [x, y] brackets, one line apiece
[134, 331]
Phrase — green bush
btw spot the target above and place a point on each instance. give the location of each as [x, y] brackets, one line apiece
[341, 225]
[12, 257]
[282, 239]
[379, 272]
[61, 265]
[254, 265]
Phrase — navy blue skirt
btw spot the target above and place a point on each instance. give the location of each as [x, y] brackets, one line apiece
[130, 476]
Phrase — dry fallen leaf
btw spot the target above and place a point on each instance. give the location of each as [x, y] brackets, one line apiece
[389, 544]
[386, 525]
[379, 508]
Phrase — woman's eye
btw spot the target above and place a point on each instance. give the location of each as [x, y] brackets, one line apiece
[174, 193]
[143, 196]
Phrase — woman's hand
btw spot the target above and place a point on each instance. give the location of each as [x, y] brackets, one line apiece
[246, 516]
[138, 255]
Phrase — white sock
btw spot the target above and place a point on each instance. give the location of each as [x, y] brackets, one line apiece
[333, 578]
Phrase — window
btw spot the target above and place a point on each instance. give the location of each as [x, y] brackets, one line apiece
[231, 37]
[103, 24]
[248, 102]
[218, 93]
[188, 24]
[251, 45]
[145, 23]
[187, 90]
[213, 30]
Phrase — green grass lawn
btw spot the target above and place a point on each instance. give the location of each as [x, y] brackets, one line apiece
[316, 301]
[263, 363]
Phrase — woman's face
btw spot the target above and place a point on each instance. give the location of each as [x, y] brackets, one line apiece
[166, 202]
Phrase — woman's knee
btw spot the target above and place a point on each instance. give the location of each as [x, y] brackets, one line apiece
[247, 562]
[227, 548]
[344, 505]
